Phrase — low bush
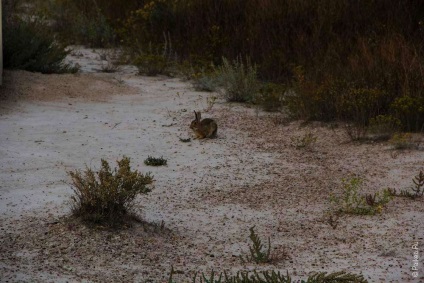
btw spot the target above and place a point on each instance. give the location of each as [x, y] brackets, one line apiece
[274, 277]
[157, 60]
[314, 100]
[402, 141]
[383, 127]
[351, 202]
[80, 22]
[152, 64]
[28, 45]
[239, 80]
[206, 82]
[410, 111]
[270, 96]
[107, 196]
[155, 161]
[92, 31]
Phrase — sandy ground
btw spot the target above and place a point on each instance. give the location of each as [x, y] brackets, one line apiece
[208, 196]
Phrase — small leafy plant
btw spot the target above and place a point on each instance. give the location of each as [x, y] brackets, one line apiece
[107, 196]
[154, 161]
[351, 202]
[418, 187]
[257, 252]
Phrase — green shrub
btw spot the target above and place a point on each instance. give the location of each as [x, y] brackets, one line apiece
[410, 111]
[152, 64]
[351, 202]
[359, 104]
[312, 100]
[383, 127]
[154, 61]
[29, 45]
[80, 22]
[271, 96]
[275, 277]
[107, 196]
[206, 82]
[154, 161]
[257, 254]
[93, 31]
[239, 80]
[402, 141]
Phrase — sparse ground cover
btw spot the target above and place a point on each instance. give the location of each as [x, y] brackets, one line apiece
[262, 171]
[319, 199]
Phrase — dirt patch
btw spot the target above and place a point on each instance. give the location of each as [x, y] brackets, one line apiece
[53, 87]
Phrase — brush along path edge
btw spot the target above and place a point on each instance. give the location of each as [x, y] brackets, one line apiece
[208, 196]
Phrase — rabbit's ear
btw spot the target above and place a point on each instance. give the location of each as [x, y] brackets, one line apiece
[195, 115]
[199, 117]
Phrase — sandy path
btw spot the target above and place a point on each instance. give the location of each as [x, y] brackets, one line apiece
[208, 196]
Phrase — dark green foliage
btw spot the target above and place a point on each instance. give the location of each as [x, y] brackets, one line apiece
[93, 31]
[154, 161]
[383, 127]
[418, 187]
[257, 254]
[270, 96]
[82, 22]
[28, 45]
[212, 278]
[360, 58]
[107, 196]
[262, 277]
[152, 64]
[277, 277]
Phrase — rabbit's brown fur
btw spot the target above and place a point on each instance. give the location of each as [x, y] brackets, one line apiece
[206, 128]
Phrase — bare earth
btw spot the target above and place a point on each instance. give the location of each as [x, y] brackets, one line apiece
[208, 196]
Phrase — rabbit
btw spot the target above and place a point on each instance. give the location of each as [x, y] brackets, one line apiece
[206, 128]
